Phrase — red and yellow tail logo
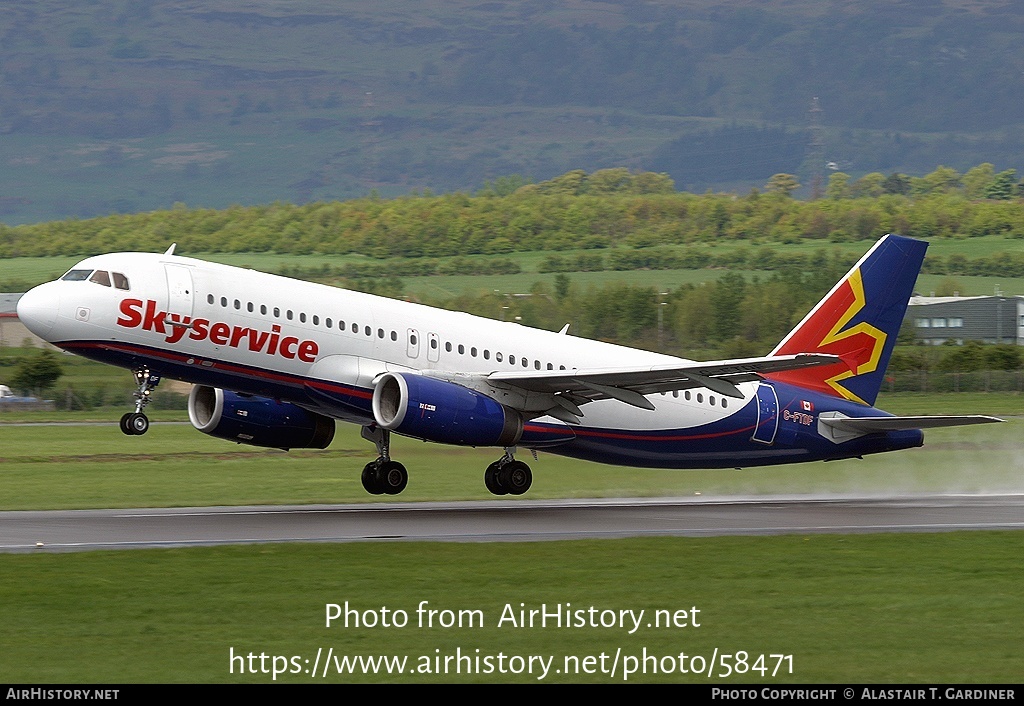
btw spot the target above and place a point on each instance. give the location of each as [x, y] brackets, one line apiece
[857, 321]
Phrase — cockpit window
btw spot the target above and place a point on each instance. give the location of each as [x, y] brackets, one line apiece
[120, 281]
[77, 275]
[101, 277]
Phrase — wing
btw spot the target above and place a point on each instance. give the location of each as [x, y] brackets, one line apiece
[572, 388]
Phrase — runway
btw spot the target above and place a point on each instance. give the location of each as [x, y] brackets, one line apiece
[502, 521]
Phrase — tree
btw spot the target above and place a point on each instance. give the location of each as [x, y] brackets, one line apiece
[977, 179]
[942, 180]
[838, 186]
[782, 184]
[37, 373]
[870, 185]
[562, 283]
[1003, 186]
[897, 183]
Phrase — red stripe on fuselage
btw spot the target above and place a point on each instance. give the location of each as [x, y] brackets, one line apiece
[259, 373]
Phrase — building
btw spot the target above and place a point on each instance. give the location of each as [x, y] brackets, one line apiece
[989, 319]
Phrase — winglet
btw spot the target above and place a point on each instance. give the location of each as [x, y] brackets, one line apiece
[858, 321]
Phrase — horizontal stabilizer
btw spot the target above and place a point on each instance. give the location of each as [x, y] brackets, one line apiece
[868, 425]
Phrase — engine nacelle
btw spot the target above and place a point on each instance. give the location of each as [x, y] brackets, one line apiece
[258, 421]
[435, 410]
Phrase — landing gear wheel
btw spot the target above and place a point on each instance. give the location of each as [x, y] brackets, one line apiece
[369, 479]
[137, 423]
[515, 477]
[134, 423]
[492, 481]
[391, 477]
[382, 476]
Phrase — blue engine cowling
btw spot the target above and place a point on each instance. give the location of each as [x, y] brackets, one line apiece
[258, 421]
[435, 410]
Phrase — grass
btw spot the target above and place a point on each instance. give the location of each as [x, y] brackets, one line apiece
[46, 467]
[854, 609]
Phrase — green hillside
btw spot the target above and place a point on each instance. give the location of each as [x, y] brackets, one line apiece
[128, 105]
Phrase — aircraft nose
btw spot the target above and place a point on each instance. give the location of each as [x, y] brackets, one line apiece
[38, 308]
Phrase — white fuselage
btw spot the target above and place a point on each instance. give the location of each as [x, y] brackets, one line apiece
[227, 317]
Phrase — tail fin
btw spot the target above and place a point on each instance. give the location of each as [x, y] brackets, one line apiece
[858, 321]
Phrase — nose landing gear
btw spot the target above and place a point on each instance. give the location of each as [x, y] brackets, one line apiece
[137, 423]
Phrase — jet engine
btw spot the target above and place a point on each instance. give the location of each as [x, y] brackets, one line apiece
[436, 410]
[258, 421]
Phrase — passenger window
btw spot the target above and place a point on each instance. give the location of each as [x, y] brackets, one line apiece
[100, 277]
[316, 320]
[238, 304]
[498, 356]
[289, 315]
[433, 343]
[120, 281]
[224, 302]
[511, 360]
[367, 330]
[462, 349]
[302, 317]
[209, 299]
[249, 307]
[412, 339]
[394, 335]
[448, 346]
[263, 309]
[380, 333]
[328, 322]
[725, 403]
[472, 351]
[700, 397]
[487, 354]
[277, 313]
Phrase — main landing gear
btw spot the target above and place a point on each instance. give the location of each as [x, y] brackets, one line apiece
[383, 476]
[506, 476]
[137, 423]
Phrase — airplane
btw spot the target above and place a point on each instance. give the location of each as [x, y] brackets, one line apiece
[275, 362]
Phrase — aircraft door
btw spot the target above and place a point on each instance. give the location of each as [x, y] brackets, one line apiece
[433, 347]
[767, 414]
[179, 290]
[413, 347]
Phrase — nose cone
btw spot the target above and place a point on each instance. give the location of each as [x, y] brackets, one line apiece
[38, 308]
